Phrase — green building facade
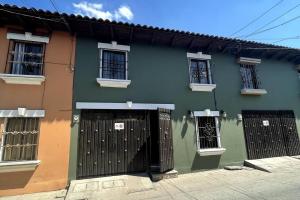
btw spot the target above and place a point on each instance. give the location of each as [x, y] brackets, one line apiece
[159, 74]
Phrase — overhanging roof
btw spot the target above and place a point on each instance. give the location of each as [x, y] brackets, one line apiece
[125, 33]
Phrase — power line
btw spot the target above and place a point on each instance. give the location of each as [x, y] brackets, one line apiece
[273, 27]
[284, 39]
[41, 18]
[63, 19]
[256, 19]
[275, 19]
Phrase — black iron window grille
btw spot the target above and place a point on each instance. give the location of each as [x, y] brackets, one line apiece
[200, 72]
[250, 78]
[20, 139]
[114, 65]
[208, 132]
[25, 58]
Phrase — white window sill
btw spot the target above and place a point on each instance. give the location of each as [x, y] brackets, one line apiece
[115, 83]
[202, 87]
[211, 152]
[22, 79]
[253, 91]
[17, 166]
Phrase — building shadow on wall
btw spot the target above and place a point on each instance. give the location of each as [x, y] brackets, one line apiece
[205, 162]
[15, 180]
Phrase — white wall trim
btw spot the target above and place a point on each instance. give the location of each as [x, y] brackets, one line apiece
[198, 55]
[16, 166]
[113, 46]
[206, 114]
[246, 91]
[27, 37]
[28, 113]
[115, 83]
[22, 79]
[211, 152]
[123, 106]
[202, 87]
[251, 61]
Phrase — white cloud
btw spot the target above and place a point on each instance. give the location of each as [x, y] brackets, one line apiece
[96, 10]
[124, 11]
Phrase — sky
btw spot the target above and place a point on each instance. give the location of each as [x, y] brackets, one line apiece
[268, 21]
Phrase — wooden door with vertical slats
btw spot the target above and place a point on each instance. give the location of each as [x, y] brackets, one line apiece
[112, 142]
[165, 140]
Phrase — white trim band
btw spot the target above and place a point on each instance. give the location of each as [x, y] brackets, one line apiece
[115, 83]
[27, 37]
[199, 56]
[22, 79]
[17, 166]
[123, 106]
[202, 87]
[113, 46]
[27, 113]
[211, 152]
[206, 113]
[246, 91]
[251, 61]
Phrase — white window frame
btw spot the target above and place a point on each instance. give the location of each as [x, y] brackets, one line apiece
[117, 83]
[253, 62]
[15, 166]
[27, 37]
[208, 151]
[21, 78]
[200, 86]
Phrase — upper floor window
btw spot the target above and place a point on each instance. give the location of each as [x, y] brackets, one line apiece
[26, 58]
[249, 76]
[250, 81]
[113, 65]
[200, 72]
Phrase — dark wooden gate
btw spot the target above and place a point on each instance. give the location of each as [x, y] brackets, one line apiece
[289, 129]
[270, 133]
[112, 142]
[165, 140]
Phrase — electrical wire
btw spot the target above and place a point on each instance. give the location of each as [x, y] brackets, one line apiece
[256, 19]
[284, 39]
[63, 19]
[273, 27]
[270, 22]
[41, 18]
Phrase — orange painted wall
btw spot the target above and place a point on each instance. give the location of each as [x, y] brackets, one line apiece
[55, 97]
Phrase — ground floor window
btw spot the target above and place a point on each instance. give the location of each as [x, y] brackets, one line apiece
[208, 132]
[19, 139]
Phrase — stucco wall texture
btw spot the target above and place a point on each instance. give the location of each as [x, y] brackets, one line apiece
[55, 97]
[160, 74]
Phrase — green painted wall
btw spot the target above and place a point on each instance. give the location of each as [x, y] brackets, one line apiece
[160, 75]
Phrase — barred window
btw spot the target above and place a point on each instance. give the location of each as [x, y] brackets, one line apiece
[26, 58]
[199, 72]
[208, 132]
[20, 139]
[113, 65]
[249, 77]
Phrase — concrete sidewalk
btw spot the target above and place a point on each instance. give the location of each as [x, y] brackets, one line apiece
[245, 184]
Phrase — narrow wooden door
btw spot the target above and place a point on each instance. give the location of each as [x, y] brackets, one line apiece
[165, 140]
[290, 133]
